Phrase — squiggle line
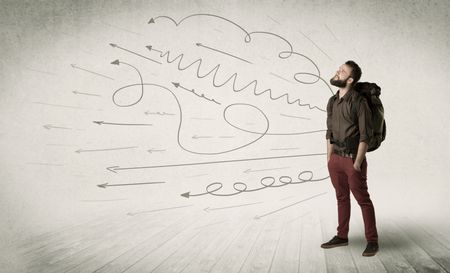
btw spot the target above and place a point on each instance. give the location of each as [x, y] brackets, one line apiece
[247, 39]
[181, 117]
[233, 78]
[241, 187]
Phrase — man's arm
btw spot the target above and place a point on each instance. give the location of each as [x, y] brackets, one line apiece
[329, 149]
[365, 132]
[362, 149]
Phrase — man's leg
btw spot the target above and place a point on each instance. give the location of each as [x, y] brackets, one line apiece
[340, 184]
[358, 186]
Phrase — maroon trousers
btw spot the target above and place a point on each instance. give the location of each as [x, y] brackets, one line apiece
[345, 179]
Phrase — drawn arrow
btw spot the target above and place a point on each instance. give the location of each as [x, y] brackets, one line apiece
[137, 54]
[125, 124]
[49, 126]
[87, 94]
[176, 84]
[309, 198]
[149, 47]
[115, 168]
[223, 52]
[92, 72]
[229, 207]
[263, 170]
[102, 150]
[130, 184]
[147, 211]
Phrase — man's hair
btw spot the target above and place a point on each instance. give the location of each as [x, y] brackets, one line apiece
[356, 71]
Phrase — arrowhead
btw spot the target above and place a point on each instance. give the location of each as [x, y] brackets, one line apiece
[98, 122]
[147, 112]
[186, 194]
[194, 136]
[47, 126]
[102, 185]
[130, 214]
[198, 44]
[78, 151]
[72, 65]
[152, 21]
[206, 209]
[149, 47]
[75, 92]
[112, 169]
[116, 62]
[176, 84]
[113, 45]
[257, 217]
[247, 171]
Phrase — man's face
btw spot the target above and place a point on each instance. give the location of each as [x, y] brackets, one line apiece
[341, 77]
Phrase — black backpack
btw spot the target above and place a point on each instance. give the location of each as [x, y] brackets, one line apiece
[371, 91]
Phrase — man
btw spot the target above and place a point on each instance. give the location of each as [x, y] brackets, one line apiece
[349, 131]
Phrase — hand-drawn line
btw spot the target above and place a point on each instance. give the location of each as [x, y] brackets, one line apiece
[105, 185]
[86, 94]
[148, 211]
[289, 197]
[284, 180]
[289, 116]
[299, 217]
[40, 71]
[99, 122]
[208, 225]
[315, 45]
[64, 106]
[198, 137]
[284, 149]
[89, 71]
[155, 150]
[120, 28]
[176, 84]
[117, 168]
[247, 40]
[197, 175]
[226, 136]
[132, 52]
[254, 83]
[151, 48]
[285, 207]
[280, 77]
[273, 19]
[181, 117]
[264, 170]
[103, 200]
[104, 150]
[44, 164]
[64, 145]
[208, 209]
[195, 118]
[223, 52]
[332, 33]
[158, 113]
[117, 62]
[49, 126]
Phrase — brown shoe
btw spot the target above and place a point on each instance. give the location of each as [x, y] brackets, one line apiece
[371, 249]
[336, 241]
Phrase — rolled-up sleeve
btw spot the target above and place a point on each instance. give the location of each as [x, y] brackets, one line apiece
[329, 123]
[365, 122]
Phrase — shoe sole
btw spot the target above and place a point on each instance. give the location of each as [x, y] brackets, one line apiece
[336, 245]
[369, 254]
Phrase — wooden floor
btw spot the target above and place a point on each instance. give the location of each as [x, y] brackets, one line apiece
[200, 241]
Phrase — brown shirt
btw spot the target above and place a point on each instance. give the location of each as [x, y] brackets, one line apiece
[341, 125]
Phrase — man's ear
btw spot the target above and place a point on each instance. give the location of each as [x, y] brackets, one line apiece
[349, 80]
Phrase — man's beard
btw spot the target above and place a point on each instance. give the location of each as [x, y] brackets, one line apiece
[339, 83]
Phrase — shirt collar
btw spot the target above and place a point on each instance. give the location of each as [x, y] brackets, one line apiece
[347, 96]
